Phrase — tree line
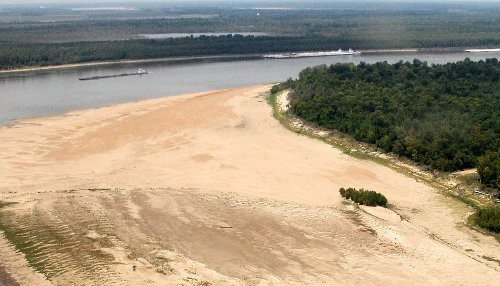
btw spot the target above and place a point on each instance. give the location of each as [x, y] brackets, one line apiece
[15, 55]
[383, 26]
[445, 117]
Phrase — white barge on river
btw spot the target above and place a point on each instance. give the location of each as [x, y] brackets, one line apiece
[339, 52]
[483, 50]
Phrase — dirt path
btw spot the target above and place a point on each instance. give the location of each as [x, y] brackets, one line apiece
[209, 189]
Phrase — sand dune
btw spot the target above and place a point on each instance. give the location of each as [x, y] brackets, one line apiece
[208, 189]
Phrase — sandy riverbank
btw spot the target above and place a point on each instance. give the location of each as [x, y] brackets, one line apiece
[209, 188]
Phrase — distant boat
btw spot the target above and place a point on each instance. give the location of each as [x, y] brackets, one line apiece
[138, 72]
[339, 52]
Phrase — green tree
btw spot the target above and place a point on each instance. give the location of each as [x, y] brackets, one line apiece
[488, 167]
[364, 197]
[442, 116]
[488, 218]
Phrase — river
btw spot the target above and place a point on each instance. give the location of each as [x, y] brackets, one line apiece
[53, 92]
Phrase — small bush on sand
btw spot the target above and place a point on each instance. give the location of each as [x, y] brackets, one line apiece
[364, 197]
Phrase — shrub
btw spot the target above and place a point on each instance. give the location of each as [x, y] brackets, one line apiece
[364, 197]
[488, 218]
[488, 167]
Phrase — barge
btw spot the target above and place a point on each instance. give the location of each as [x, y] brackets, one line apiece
[340, 52]
[138, 72]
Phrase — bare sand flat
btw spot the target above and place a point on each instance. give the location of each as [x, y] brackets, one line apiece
[209, 189]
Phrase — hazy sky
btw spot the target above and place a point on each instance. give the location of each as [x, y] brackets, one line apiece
[90, 1]
[122, 1]
[108, 1]
[41, 2]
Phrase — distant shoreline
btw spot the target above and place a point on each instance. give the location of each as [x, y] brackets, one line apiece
[117, 62]
[194, 58]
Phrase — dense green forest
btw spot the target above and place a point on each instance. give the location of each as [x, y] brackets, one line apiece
[374, 29]
[60, 35]
[14, 55]
[383, 26]
[441, 116]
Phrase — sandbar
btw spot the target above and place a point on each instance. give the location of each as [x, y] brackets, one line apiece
[210, 189]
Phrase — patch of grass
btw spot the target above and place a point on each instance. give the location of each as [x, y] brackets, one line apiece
[50, 247]
[6, 204]
[464, 199]
[272, 99]
[17, 239]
